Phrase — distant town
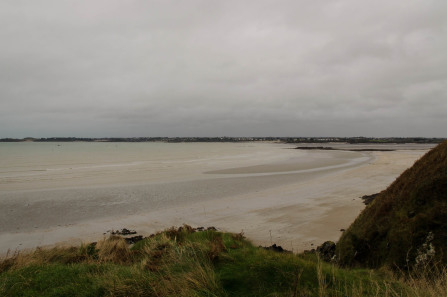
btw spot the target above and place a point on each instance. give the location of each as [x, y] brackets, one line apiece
[351, 140]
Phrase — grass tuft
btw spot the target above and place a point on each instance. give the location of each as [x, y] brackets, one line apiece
[113, 249]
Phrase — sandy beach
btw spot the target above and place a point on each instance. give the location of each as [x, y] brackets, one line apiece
[294, 202]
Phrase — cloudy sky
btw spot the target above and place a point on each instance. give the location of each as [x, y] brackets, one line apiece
[212, 68]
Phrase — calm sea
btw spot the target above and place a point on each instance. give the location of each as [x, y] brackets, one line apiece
[34, 165]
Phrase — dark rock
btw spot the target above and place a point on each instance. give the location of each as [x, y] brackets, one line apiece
[211, 228]
[342, 230]
[276, 248]
[327, 251]
[367, 199]
[200, 229]
[133, 239]
[124, 231]
[315, 148]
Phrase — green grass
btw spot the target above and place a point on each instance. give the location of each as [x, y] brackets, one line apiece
[187, 263]
[53, 280]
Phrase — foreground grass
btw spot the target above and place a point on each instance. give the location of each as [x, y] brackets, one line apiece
[186, 263]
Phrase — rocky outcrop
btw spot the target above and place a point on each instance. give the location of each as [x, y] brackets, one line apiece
[326, 251]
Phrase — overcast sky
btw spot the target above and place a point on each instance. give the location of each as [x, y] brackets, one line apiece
[213, 68]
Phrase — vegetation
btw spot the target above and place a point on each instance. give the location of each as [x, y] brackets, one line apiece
[181, 262]
[351, 140]
[406, 225]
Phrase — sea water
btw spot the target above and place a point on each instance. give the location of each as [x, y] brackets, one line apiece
[51, 165]
[39, 165]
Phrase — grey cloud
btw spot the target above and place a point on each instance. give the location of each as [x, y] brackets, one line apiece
[148, 68]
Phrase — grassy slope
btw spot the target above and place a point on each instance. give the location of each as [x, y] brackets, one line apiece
[184, 263]
[393, 229]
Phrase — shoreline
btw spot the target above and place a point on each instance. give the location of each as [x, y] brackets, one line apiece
[297, 210]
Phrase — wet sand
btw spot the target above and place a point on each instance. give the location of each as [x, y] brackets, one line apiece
[294, 204]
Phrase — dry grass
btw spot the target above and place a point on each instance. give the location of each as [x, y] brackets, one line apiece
[42, 256]
[428, 281]
[114, 249]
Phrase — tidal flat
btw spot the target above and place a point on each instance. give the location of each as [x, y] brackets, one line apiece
[69, 193]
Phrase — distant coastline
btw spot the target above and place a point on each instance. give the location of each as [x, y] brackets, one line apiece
[350, 140]
[329, 148]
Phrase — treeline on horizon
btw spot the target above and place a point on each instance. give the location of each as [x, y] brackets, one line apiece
[351, 140]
